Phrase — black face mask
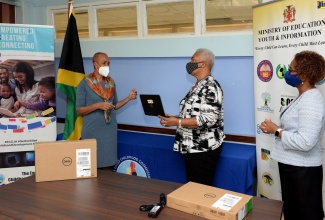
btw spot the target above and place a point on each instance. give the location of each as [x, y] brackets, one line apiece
[190, 67]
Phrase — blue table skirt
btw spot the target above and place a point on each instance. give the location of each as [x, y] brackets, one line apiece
[152, 155]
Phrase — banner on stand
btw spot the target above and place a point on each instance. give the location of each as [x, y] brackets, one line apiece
[29, 51]
[281, 29]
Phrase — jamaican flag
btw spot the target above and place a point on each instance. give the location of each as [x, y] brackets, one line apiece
[70, 73]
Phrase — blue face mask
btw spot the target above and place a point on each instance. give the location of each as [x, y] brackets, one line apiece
[292, 80]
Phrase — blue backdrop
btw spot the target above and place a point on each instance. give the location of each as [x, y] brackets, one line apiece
[168, 77]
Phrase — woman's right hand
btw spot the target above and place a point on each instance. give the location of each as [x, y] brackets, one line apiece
[268, 127]
[16, 105]
[105, 105]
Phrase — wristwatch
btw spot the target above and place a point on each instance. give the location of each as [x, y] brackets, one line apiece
[277, 133]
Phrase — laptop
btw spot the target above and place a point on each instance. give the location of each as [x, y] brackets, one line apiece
[63, 160]
[152, 105]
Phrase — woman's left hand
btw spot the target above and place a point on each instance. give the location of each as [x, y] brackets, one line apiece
[167, 121]
[133, 94]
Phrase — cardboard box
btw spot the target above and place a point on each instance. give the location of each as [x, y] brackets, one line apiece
[210, 202]
[62, 160]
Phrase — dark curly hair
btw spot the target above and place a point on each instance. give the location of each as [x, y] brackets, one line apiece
[48, 82]
[25, 68]
[4, 68]
[4, 84]
[310, 65]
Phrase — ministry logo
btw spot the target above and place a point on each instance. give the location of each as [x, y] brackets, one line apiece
[267, 178]
[266, 97]
[265, 70]
[133, 166]
[265, 154]
[320, 5]
[281, 70]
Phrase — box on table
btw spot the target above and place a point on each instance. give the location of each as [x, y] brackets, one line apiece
[210, 202]
[62, 160]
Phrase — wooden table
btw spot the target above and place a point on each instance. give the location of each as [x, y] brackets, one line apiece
[109, 196]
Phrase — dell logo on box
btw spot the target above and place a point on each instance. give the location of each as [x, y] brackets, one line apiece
[209, 195]
[67, 161]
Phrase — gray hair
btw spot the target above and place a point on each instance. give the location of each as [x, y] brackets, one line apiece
[208, 56]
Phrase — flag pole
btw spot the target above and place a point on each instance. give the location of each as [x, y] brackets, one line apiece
[69, 5]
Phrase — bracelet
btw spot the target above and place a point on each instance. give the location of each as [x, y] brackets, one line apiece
[179, 122]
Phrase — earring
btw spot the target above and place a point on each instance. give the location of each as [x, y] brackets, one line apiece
[302, 83]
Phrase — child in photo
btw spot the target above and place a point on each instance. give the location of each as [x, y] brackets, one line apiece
[46, 88]
[7, 100]
[4, 78]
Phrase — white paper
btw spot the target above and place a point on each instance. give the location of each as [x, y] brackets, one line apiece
[83, 162]
[242, 213]
[7, 113]
[226, 202]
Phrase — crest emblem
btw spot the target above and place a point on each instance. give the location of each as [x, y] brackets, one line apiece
[289, 14]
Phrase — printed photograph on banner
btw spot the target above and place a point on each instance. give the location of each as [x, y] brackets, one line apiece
[27, 88]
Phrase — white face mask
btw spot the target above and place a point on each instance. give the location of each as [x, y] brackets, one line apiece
[104, 71]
